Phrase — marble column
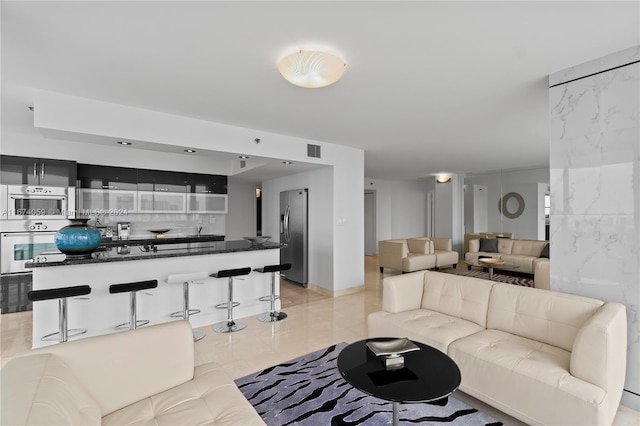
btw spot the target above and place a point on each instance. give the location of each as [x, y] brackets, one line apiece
[595, 189]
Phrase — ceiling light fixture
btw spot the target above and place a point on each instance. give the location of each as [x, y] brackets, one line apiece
[286, 162]
[311, 69]
[244, 157]
[190, 150]
[124, 143]
[443, 178]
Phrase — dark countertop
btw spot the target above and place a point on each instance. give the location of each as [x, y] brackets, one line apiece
[157, 241]
[137, 252]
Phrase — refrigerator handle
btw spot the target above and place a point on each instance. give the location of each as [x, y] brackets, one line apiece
[286, 225]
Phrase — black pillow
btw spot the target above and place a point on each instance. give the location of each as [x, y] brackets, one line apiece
[489, 245]
[545, 251]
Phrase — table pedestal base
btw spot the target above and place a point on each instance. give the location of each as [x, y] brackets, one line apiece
[395, 413]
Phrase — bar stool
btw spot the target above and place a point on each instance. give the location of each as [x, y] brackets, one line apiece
[62, 294]
[229, 326]
[185, 313]
[132, 289]
[272, 315]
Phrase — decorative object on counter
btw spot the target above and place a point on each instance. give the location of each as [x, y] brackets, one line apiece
[79, 239]
[259, 240]
[159, 232]
[390, 351]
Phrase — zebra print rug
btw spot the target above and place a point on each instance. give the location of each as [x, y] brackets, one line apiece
[510, 279]
[309, 390]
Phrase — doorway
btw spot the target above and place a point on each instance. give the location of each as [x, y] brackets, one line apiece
[370, 239]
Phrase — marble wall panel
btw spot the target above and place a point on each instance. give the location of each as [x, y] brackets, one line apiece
[595, 190]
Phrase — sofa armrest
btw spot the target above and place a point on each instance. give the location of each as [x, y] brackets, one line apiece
[542, 274]
[599, 350]
[402, 292]
[120, 368]
[391, 253]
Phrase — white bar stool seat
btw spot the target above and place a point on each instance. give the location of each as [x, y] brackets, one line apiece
[186, 280]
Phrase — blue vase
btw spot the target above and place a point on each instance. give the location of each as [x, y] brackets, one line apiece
[78, 240]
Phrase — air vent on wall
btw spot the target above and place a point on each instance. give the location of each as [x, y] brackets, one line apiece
[313, 151]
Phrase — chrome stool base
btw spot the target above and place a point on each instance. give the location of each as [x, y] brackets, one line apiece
[71, 333]
[180, 314]
[229, 326]
[198, 335]
[127, 325]
[272, 316]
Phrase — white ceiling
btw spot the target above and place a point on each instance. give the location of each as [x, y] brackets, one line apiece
[430, 86]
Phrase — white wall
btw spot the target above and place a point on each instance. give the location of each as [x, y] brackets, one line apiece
[401, 207]
[320, 210]
[241, 211]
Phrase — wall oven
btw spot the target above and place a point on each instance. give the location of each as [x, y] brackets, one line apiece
[26, 241]
[26, 202]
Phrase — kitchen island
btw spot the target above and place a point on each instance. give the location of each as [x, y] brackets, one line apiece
[124, 262]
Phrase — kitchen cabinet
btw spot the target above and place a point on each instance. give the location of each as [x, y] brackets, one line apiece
[206, 184]
[206, 203]
[37, 171]
[162, 181]
[107, 201]
[107, 177]
[161, 202]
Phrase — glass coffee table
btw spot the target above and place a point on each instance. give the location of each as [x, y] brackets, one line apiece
[428, 374]
[491, 266]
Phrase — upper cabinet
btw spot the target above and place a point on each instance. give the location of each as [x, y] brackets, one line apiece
[105, 177]
[37, 171]
[152, 191]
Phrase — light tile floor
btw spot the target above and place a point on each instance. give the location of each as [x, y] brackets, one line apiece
[314, 321]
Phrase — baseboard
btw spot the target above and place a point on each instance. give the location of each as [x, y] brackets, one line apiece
[330, 293]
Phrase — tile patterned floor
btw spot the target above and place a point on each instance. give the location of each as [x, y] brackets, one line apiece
[314, 321]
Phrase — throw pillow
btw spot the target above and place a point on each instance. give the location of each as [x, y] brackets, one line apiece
[545, 251]
[489, 245]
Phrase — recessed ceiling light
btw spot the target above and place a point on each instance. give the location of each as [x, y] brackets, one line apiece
[244, 157]
[124, 143]
[189, 150]
[311, 69]
[286, 162]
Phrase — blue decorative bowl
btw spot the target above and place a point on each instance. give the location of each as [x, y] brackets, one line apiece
[78, 240]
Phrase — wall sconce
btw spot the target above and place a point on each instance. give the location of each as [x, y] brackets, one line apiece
[443, 178]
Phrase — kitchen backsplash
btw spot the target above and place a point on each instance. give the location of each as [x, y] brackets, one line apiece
[181, 224]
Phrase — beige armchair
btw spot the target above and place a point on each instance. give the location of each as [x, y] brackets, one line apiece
[415, 254]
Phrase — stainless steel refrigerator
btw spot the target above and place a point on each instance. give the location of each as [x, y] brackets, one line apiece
[294, 233]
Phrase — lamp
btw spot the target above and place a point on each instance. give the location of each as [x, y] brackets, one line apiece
[311, 69]
[443, 178]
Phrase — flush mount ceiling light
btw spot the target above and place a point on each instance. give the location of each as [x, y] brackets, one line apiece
[443, 178]
[311, 69]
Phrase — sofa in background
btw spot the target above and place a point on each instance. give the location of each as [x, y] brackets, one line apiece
[524, 253]
[415, 254]
[142, 376]
[543, 357]
[477, 235]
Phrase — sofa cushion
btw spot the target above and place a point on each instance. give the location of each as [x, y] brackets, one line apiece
[210, 398]
[489, 245]
[42, 390]
[505, 245]
[511, 371]
[418, 262]
[430, 327]
[549, 317]
[462, 297]
[421, 245]
[524, 263]
[528, 247]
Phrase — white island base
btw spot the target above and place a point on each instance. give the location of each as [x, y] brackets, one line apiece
[100, 311]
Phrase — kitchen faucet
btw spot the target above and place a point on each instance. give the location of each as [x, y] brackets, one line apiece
[199, 230]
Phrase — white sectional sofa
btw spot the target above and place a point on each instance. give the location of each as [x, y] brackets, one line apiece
[541, 356]
[524, 253]
[144, 376]
[416, 254]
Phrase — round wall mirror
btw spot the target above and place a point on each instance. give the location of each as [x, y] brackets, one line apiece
[511, 205]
